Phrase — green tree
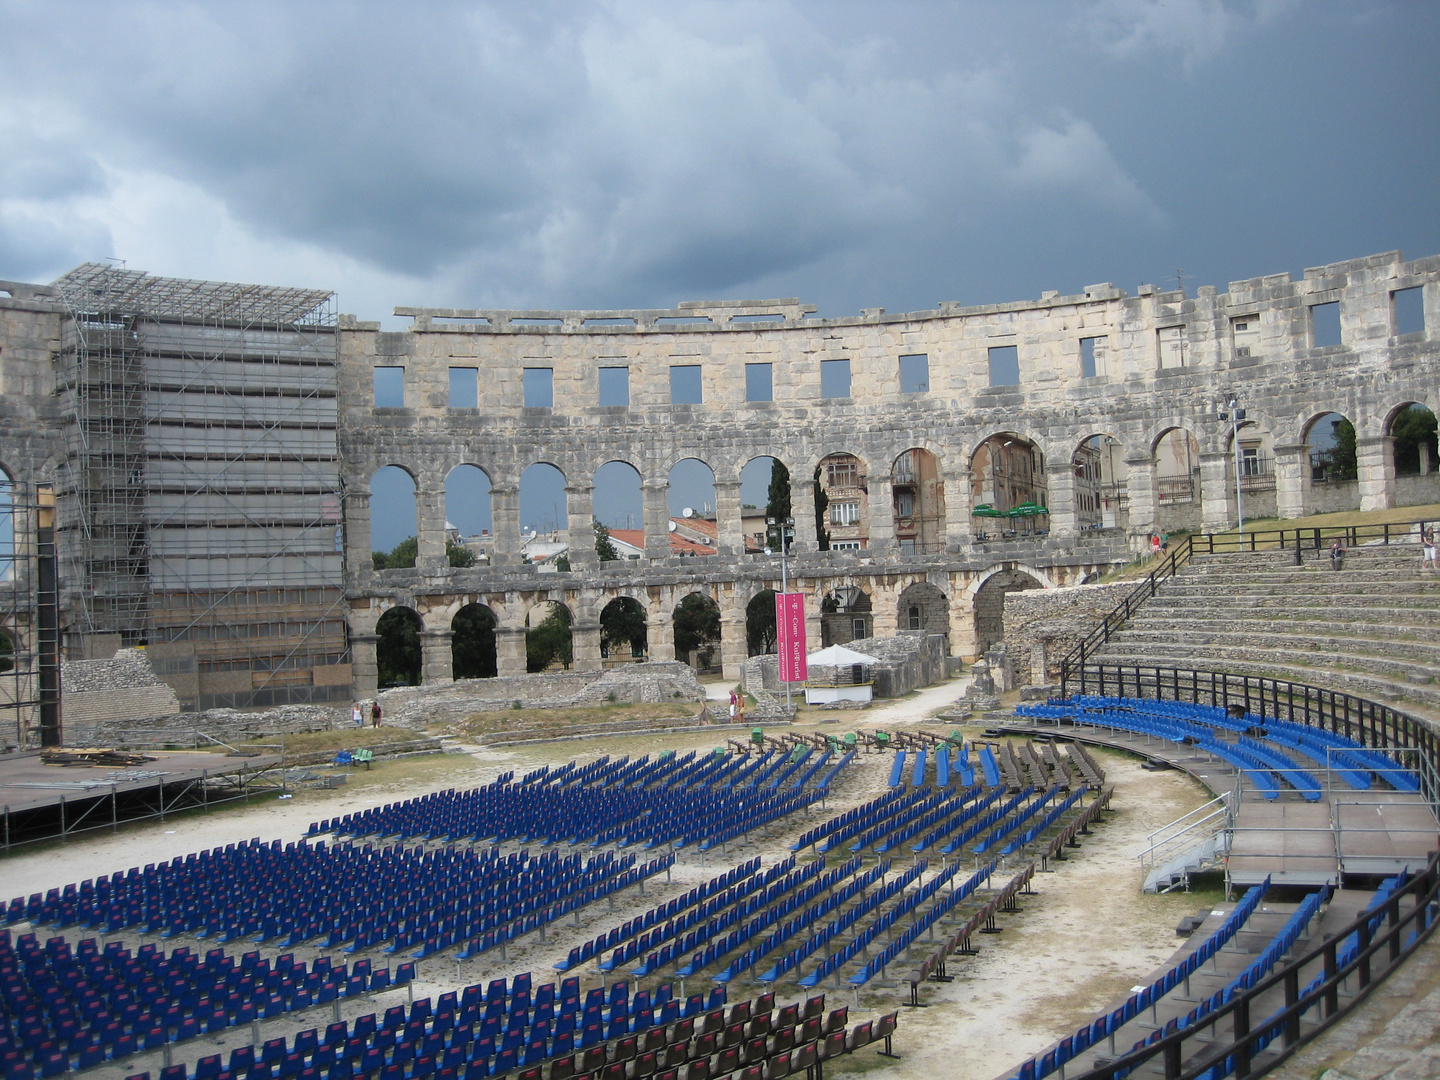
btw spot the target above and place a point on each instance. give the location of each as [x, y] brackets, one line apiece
[399, 557]
[459, 554]
[777, 498]
[549, 641]
[760, 624]
[472, 649]
[1412, 429]
[604, 546]
[7, 651]
[697, 624]
[562, 564]
[1343, 460]
[397, 650]
[822, 503]
[622, 627]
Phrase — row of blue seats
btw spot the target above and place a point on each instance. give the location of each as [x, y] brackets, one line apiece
[946, 904]
[1054, 814]
[859, 814]
[868, 902]
[957, 804]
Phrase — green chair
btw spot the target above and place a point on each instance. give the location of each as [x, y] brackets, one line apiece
[364, 757]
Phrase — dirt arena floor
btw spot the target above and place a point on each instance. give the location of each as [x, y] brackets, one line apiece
[1086, 937]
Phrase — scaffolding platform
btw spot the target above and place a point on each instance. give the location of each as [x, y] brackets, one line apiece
[45, 802]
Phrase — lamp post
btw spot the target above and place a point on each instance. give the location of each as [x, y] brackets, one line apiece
[785, 529]
[1234, 413]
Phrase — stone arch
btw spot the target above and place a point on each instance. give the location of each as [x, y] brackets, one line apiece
[1331, 463]
[922, 606]
[623, 631]
[758, 477]
[1175, 456]
[690, 500]
[696, 623]
[760, 630]
[842, 503]
[1101, 482]
[543, 508]
[617, 501]
[469, 521]
[397, 648]
[473, 651]
[9, 648]
[988, 592]
[1255, 463]
[846, 614]
[1411, 428]
[394, 521]
[918, 501]
[1007, 473]
[549, 637]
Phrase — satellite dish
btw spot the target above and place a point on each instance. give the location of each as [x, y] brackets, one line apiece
[672, 526]
[687, 512]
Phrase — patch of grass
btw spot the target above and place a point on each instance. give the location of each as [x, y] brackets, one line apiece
[557, 721]
[347, 738]
[1395, 515]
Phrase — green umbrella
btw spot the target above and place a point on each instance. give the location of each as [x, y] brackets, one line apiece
[1029, 509]
[984, 510]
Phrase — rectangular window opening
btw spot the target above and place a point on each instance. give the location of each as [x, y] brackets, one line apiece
[389, 388]
[1170, 347]
[1245, 335]
[1409, 307]
[844, 513]
[1325, 324]
[834, 378]
[464, 388]
[539, 388]
[1004, 365]
[1093, 363]
[759, 382]
[615, 386]
[685, 384]
[915, 373]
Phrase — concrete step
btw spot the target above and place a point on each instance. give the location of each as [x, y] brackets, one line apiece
[1417, 612]
[1309, 660]
[1260, 634]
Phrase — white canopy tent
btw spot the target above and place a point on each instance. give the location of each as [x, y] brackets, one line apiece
[846, 687]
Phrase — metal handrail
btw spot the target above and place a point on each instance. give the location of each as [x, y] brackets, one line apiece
[1387, 950]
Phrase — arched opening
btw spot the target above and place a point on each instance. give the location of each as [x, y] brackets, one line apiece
[691, 498]
[1412, 439]
[468, 524]
[623, 637]
[764, 493]
[393, 529]
[7, 651]
[397, 650]
[1334, 465]
[842, 514]
[472, 643]
[918, 495]
[1007, 488]
[1100, 483]
[7, 527]
[760, 623]
[923, 607]
[696, 620]
[990, 604]
[617, 504]
[845, 615]
[1177, 482]
[1255, 464]
[548, 639]
[544, 518]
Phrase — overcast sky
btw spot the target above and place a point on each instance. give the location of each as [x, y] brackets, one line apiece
[631, 154]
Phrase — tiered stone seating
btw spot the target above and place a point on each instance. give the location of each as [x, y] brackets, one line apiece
[1368, 630]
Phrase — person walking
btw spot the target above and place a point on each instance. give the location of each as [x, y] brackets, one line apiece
[356, 716]
[375, 713]
[1428, 549]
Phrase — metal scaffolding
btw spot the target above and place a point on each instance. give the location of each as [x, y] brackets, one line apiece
[199, 495]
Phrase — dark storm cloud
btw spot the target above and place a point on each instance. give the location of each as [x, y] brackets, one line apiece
[637, 154]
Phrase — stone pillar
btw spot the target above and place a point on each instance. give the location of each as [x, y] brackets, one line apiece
[1140, 499]
[1292, 480]
[364, 666]
[731, 539]
[802, 509]
[430, 523]
[958, 501]
[732, 644]
[509, 650]
[585, 645]
[1375, 458]
[505, 519]
[579, 514]
[437, 662]
[357, 532]
[656, 496]
[884, 611]
[880, 508]
[1060, 497]
[1038, 675]
[1215, 481]
[660, 636]
[962, 625]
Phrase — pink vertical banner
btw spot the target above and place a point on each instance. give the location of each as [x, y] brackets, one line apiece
[790, 636]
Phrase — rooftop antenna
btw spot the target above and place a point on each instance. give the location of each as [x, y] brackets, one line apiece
[1180, 277]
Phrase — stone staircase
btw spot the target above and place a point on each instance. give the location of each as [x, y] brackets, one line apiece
[1371, 630]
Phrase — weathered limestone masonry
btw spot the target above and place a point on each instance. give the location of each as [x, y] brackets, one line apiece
[1163, 363]
[125, 687]
[1042, 627]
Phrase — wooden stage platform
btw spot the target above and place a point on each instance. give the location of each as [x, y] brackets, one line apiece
[39, 801]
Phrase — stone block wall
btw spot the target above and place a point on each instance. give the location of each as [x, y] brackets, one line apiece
[1054, 621]
[120, 690]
